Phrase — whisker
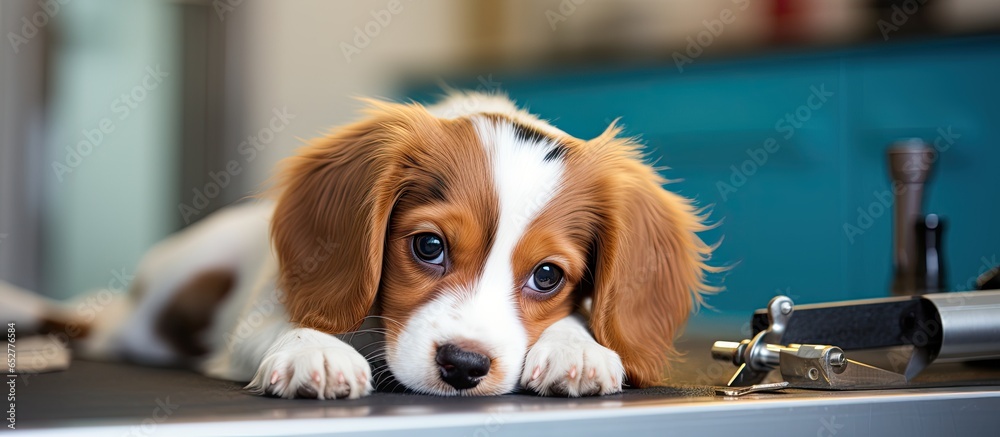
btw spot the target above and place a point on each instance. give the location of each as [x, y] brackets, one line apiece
[387, 319]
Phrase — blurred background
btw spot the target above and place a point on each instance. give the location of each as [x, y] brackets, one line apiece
[122, 121]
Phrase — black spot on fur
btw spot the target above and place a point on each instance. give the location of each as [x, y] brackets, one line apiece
[557, 152]
[529, 134]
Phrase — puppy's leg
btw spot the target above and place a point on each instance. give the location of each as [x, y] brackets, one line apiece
[567, 361]
[305, 363]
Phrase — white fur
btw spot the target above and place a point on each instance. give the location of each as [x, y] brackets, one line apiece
[22, 307]
[487, 312]
[566, 360]
[251, 338]
[234, 239]
[306, 358]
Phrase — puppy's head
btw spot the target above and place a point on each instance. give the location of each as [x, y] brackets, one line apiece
[472, 230]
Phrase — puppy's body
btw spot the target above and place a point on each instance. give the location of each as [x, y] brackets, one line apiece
[471, 230]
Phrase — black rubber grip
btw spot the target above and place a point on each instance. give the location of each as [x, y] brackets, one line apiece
[862, 324]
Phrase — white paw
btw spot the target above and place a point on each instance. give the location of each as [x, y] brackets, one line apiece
[569, 362]
[306, 363]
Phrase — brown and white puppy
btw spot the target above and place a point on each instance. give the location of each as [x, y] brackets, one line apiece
[477, 234]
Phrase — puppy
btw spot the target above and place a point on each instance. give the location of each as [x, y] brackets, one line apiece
[493, 249]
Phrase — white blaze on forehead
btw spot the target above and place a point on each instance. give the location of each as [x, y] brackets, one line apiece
[486, 312]
[525, 182]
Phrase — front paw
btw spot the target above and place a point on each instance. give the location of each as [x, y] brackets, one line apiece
[309, 364]
[567, 365]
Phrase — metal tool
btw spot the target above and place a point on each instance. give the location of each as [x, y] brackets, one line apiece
[809, 350]
[801, 365]
[754, 357]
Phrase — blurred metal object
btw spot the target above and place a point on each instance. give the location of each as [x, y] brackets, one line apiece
[944, 327]
[910, 163]
[930, 274]
[24, 143]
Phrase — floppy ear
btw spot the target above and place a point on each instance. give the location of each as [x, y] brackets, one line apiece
[329, 224]
[648, 263]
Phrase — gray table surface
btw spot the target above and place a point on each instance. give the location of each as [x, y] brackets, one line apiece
[93, 398]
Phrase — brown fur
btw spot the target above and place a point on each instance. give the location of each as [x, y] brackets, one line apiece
[190, 311]
[371, 186]
[342, 188]
[449, 192]
[648, 265]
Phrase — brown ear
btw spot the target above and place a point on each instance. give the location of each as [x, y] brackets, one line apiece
[330, 220]
[648, 263]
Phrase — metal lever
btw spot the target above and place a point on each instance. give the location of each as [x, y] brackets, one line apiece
[753, 357]
[756, 388]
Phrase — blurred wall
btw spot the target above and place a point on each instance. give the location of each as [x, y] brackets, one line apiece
[111, 141]
[22, 93]
[310, 59]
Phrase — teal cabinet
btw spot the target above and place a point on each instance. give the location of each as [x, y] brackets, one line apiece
[789, 147]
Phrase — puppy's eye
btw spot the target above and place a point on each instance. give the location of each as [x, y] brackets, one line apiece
[545, 278]
[429, 248]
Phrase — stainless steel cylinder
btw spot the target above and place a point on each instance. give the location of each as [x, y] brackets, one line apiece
[970, 325]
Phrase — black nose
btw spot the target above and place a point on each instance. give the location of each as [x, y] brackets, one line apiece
[461, 368]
